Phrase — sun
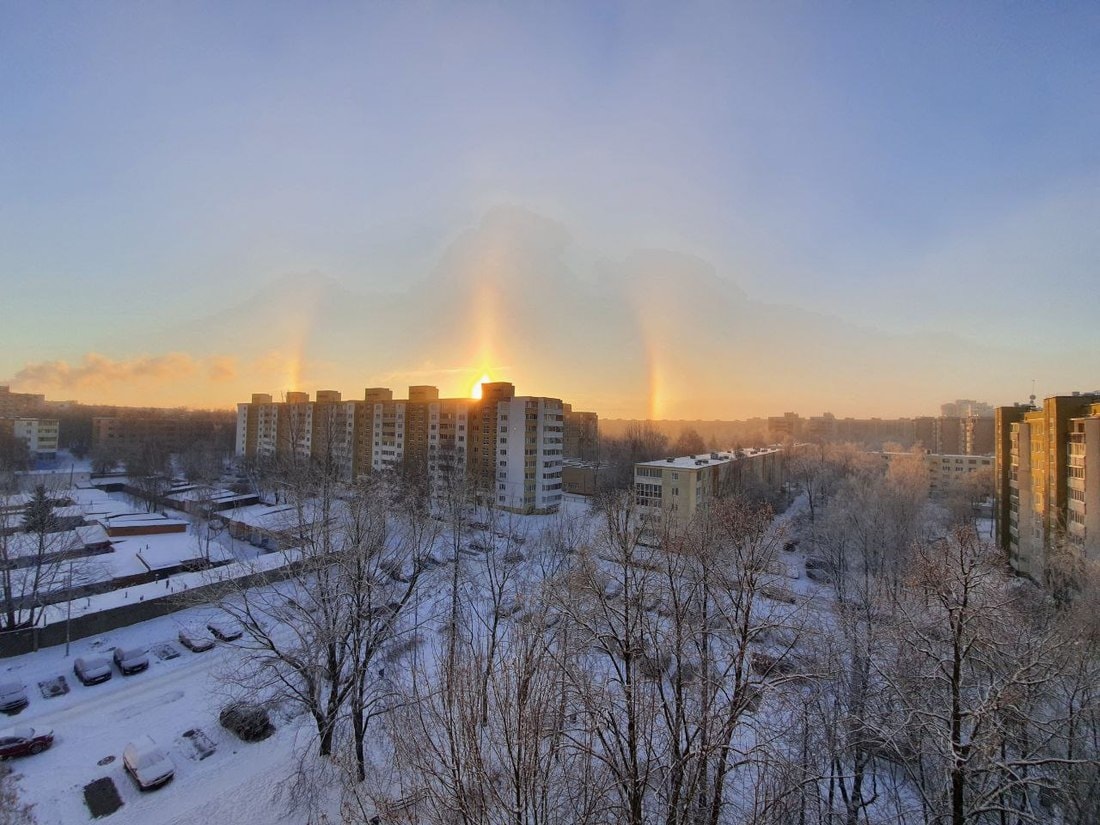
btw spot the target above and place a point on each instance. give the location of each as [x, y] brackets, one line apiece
[475, 391]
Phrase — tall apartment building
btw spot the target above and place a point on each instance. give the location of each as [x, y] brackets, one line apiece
[509, 446]
[582, 434]
[1047, 480]
[679, 487]
[955, 435]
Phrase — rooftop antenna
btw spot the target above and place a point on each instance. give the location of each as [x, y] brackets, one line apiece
[1033, 392]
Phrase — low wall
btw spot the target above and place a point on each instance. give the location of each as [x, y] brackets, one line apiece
[27, 640]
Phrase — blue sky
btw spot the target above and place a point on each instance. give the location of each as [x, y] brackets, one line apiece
[913, 167]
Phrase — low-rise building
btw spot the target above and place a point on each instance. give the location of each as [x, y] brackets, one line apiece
[683, 485]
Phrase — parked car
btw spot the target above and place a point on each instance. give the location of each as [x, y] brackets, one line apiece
[24, 742]
[13, 697]
[131, 660]
[92, 670]
[195, 638]
[225, 628]
[147, 763]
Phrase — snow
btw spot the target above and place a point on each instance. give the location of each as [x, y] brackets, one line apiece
[238, 783]
[235, 784]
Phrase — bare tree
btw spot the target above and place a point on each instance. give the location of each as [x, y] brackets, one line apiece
[38, 558]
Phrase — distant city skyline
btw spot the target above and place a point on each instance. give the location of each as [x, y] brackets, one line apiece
[689, 211]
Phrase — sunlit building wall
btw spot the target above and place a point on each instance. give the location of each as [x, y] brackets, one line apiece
[1047, 481]
[681, 486]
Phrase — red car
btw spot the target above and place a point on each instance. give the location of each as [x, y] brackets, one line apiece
[24, 742]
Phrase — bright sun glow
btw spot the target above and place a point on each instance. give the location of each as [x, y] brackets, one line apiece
[475, 391]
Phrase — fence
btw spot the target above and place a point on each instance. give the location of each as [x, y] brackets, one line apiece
[26, 640]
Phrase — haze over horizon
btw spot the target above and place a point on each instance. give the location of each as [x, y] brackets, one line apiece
[697, 212]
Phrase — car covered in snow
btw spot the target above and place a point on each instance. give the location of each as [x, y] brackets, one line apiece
[13, 697]
[24, 742]
[147, 763]
[195, 638]
[225, 628]
[131, 660]
[91, 670]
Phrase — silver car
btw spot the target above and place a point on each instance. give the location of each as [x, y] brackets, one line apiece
[131, 660]
[92, 670]
[13, 697]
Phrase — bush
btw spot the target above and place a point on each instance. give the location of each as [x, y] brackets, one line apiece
[249, 722]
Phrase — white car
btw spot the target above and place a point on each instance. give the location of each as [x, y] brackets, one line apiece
[196, 638]
[147, 763]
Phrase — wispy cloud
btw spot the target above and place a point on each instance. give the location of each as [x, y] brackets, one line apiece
[221, 368]
[96, 371]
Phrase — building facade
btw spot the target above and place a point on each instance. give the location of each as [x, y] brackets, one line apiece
[1047, 481]
[19, 404]
[508, 447]
[680, 487]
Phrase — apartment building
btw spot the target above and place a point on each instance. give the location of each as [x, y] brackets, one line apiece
[945, 471]
[1047, 481]
[956, 435]
[19, 404]
[174, 431]
[581, 434]
[530, 441]
[681, 486]
[508, 446]
[39, 434]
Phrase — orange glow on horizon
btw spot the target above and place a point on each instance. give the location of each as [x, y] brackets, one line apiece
[475, 391]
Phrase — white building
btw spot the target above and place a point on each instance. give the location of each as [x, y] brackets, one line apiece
[39, 434]
[530, 440]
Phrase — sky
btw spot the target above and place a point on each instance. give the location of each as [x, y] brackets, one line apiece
[915, 178]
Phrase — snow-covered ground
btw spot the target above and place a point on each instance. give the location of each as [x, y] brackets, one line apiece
[92, 725]
[237, 784]
[240, 781]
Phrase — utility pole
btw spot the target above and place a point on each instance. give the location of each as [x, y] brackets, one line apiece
[69, 606]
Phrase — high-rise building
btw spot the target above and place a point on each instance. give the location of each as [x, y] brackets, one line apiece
[1047, 481]
[508, 447]
[582, 434]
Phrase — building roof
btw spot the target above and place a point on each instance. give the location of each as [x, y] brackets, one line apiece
[714, 459]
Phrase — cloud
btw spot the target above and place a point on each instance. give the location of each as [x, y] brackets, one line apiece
[221, 368]
[96, 371]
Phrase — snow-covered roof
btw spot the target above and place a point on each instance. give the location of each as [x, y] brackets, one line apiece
[711, 459]
[139, 520]
[174, 549]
